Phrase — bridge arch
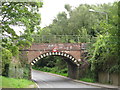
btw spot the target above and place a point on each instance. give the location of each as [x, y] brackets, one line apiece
[72, 59]
[72, 52]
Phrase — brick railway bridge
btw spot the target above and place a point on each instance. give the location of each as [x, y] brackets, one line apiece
[73, 54]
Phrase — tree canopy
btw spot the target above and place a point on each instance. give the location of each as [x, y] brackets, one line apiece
[16, 14]
[94, 28]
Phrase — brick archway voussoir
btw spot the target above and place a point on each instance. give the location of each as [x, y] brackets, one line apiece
[74, 61]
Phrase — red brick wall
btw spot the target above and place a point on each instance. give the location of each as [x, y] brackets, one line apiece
[38, 49]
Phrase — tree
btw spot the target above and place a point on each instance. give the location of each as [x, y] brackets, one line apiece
[17, 14]
[105, 51]
[79, 19]
[92, 26]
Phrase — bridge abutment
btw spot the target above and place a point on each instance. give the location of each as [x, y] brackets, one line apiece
[73, 71]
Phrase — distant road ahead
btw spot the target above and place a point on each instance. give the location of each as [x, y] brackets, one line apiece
[46, 80]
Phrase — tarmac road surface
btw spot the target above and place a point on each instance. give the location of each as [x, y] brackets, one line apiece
[48, 80]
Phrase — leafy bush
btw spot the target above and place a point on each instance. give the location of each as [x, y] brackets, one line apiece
[14, 50]
[6, 59]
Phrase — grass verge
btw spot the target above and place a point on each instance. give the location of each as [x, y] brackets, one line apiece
[16, 83]
[52, 70]
[88, 80]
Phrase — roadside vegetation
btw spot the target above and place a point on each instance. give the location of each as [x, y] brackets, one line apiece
[88, 80]
[21, 15]
[17, 14]
[16, 83]
[55, 65]
[52, 70]
[95, 28]
[101, 33]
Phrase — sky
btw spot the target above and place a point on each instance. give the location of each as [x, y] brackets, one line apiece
[52, 7]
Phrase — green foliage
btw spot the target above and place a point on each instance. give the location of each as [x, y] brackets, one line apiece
[20, 13]
[54, 70]
[15, 83]
[78, 21]
[24, 43]
[60, 63]
[17, 14]
[55, 65]
[6, 55]
[6, 60]
[14, 50]
[68, 7]
[26, 72]
[105, 50]
[92, 27]
[84, 35]
[88, 80]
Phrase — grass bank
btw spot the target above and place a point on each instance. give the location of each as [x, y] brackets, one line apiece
[52, 70]
[16, 83]
[88, 80]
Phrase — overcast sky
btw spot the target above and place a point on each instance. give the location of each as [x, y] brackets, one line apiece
[52, 7]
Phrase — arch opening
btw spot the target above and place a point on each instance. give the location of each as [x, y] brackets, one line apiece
[72, 63]
[62, 54]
